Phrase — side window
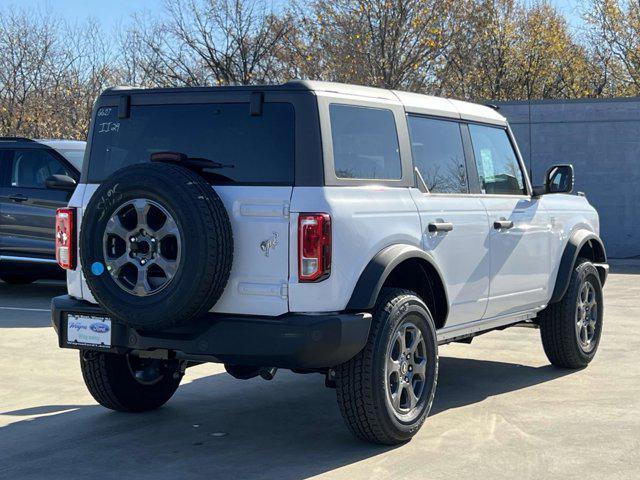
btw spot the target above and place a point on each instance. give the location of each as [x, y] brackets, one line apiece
[498, 166]
[437, 150]
[5, 158]
[365, 143]
[31, 168]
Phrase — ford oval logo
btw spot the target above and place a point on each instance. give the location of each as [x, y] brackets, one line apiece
[99, 327]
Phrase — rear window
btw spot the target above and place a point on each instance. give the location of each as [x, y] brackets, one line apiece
[365, 143]
[252, 149]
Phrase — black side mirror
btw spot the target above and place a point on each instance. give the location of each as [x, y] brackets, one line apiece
[559, 179]
[60, 182]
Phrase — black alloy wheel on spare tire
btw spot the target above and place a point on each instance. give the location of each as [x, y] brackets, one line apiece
[156, 246]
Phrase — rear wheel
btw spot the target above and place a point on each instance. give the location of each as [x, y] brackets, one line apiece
[127, 383]
[571, 328]
[386, 391]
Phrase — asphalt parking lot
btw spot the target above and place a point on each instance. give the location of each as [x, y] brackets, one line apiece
[500, 412]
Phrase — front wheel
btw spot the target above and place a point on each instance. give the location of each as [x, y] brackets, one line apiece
[127, 383]
[571, 328]
[385, 392]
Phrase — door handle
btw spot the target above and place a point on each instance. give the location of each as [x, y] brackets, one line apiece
[440, 226]
[503, 224]
[18, 198]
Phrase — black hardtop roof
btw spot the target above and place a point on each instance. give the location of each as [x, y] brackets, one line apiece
[294, 85]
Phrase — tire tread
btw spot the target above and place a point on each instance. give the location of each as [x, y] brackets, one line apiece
[557, 329]
[355, 379]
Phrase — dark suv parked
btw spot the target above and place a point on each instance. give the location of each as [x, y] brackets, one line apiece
[36, 178]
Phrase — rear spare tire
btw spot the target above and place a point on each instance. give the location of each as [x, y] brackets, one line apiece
[156, 246]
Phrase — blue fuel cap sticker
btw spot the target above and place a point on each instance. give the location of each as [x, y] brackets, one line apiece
[97, 268]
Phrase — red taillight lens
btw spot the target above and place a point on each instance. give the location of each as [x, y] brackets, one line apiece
[65, 238]
[314, 246]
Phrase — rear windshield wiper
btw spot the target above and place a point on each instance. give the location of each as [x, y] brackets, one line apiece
[180, 158]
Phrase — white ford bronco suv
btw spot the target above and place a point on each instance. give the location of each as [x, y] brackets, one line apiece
[315, 227]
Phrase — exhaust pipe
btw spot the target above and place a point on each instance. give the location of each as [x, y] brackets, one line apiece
[246, 372]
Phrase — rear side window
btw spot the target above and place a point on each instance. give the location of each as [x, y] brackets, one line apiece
[498, 166]
[365, 143]
[31, 168]
[249, 149]
[437, 150]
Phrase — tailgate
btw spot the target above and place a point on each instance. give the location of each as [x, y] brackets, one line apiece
[259, 275]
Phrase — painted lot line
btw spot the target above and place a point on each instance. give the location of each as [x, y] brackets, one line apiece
[27, 309]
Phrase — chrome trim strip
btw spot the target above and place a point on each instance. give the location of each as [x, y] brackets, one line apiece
[11, 258]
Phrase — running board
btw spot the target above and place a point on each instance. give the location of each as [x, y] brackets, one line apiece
[478, 327]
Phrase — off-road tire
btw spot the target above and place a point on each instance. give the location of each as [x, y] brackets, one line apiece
[558, 321]
[360, 382]
[206, 236]
[111, 383]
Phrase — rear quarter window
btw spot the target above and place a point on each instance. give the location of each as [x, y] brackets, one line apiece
[365, 143]
[253, 149]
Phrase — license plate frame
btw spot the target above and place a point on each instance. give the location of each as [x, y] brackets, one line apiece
[89, 331]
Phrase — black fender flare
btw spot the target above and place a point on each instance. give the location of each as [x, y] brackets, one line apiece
[577, 240]
[377, 271]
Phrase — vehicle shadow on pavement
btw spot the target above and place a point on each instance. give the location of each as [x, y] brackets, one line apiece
[28, 306]
[463, 381]
[219, 427]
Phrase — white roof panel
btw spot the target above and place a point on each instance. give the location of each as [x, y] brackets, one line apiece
[427, 105]
[478, 113]
[414, 102]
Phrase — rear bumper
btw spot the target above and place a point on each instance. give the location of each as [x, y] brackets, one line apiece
[288, 341]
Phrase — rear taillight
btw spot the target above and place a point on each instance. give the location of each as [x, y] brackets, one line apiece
[65, 238]
[314, 246]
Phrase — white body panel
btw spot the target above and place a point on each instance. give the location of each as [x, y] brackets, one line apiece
[462, 255]
[567, 214]
[258, 282]
[364, 220]
[520, 260]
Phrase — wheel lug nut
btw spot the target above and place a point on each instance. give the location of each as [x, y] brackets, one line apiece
[143, 261]
[406, 379]
[132, 239]
[410, 368]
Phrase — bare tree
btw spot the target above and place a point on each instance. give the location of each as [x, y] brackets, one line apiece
[206, 42]
[614, 26]
[28, 53]
[386, 43]
[50, 74]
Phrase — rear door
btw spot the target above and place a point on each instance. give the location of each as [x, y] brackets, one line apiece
[253, 177]
[4, 195]
[455, 227]
[28, 206]
[520, 227]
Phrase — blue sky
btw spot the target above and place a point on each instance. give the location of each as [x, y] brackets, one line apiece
[111, 12]
[108, 12]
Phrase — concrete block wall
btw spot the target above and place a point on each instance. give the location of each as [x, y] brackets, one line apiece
[601, 138]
